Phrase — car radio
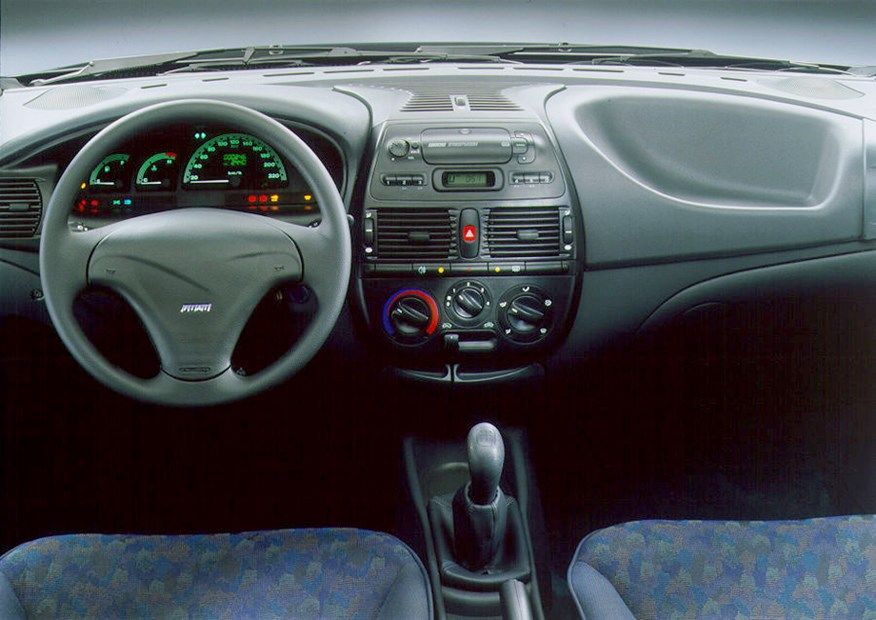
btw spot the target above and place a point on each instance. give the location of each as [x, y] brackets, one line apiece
[511, 162]
[468, 239]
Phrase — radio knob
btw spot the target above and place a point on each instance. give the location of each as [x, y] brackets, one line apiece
[399, 147]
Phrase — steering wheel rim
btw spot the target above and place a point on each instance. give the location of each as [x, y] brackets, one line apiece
[70, 261]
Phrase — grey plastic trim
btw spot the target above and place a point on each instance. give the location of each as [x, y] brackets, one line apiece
[665, 175]
[869, 179]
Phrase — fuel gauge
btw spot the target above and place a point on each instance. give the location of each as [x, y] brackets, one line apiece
[158, 172]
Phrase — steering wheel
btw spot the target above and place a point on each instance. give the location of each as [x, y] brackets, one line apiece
[195, 275]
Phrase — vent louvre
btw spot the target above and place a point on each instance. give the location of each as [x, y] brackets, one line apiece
[416, 234]
[453, 97]
[523, 232]
[20, 208]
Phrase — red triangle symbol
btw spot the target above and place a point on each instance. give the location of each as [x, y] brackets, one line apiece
[469, 233]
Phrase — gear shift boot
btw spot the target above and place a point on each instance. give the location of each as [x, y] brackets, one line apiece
[478, 529]
[479, 535]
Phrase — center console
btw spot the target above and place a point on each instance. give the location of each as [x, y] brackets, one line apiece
[468, 240]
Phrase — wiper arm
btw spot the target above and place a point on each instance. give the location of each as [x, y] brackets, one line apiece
[710, 60]
[95, 68]
[191, 61]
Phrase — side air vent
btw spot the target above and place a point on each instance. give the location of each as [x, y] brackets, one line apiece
[450, 98]
[416, 234]
[20, 207]
[523, 232]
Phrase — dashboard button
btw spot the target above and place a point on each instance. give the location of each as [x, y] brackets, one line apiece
[393, 268]
[502, 269]
[425, 270]
[526, 158]
[468, 268]
[545, 267]
[469, 233]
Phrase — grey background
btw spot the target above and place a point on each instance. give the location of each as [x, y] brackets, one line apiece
[38, 34]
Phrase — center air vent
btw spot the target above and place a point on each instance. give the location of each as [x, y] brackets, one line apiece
[453, 98]
[523, 232]
[20, 207]
[416, 234]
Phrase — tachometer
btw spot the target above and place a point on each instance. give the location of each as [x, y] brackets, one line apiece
[235, 160]
[111, 174]
[158, 172]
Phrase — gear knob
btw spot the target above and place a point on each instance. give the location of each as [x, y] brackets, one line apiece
[486, 457]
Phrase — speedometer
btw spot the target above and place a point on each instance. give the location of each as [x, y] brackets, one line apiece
[236, 161]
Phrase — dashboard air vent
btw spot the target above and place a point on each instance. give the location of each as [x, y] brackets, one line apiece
[416, 234]
[453, 98]
[523, 232]
[20, 207]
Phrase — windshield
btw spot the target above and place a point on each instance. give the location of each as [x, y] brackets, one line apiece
[37, 35]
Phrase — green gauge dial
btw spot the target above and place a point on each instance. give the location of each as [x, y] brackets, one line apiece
[111, 174]
[234, 161]
[158, 172]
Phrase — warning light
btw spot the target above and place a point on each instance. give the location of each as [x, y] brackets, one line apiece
[440, 270]
[127, 202]
[308, 197]
[83, 185]
[263, 198]
[469, 233]
[498, 269]
[275, 197]
[94, 202]
[251, 198]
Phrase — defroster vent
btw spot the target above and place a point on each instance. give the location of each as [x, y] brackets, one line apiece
[416, 234]
[523, 232]
[20, 207]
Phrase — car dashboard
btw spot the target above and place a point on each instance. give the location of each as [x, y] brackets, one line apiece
[502, 217]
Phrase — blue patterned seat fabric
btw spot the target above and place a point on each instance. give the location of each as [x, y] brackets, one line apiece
[305, 573]
[815, 568]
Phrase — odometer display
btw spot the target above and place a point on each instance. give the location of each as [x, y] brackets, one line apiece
[234, 160]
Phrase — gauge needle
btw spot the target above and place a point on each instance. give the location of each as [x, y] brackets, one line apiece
[211, 181]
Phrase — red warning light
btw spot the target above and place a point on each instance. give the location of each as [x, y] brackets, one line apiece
[469, 233]
[251, 198]
[263, 198]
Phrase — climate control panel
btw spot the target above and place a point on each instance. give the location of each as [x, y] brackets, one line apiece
[468, 241]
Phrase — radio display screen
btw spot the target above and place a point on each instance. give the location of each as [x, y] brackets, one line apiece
[469, 179]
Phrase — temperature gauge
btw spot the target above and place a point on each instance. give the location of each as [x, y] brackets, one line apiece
[158, 172]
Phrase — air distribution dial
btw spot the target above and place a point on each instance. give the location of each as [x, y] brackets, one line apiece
[410, 316]
[525, 314]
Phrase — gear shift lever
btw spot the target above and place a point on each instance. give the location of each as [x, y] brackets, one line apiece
[486, 456]
[480, 509]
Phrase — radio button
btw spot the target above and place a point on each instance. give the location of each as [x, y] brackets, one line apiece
[519, 145]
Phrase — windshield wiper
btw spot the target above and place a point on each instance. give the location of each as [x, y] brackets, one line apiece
[397, 53]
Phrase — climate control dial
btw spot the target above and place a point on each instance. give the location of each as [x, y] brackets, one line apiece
[410, 316]
[469, 301]
[525, 314]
